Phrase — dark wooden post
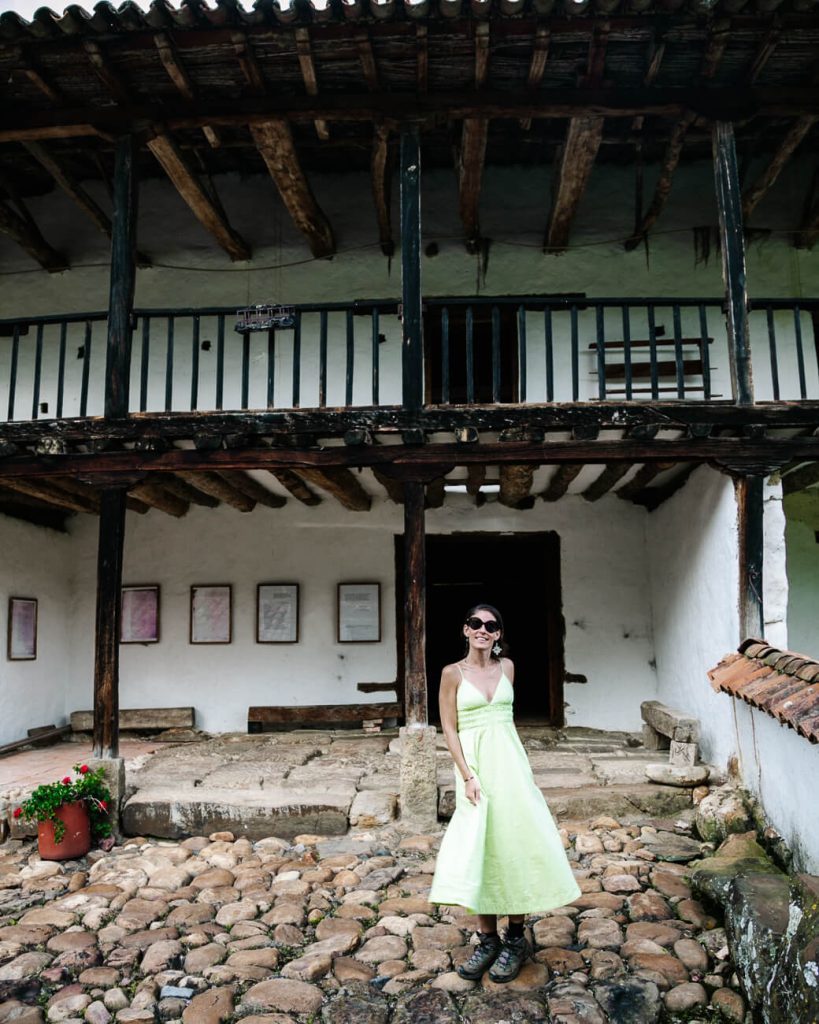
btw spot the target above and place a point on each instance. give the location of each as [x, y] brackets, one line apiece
[732, 242]
[106, 653]
[415, 633]
[412, 353]
[750, 511]
[121, 289]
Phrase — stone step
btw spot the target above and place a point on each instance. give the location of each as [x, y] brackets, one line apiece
[278, 811]
[568, 802]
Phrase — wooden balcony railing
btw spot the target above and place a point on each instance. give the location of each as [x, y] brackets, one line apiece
[510, 349]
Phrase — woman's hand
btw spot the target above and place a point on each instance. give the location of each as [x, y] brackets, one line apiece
[472, 789]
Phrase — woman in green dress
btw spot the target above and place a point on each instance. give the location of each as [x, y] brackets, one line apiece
[502, 854]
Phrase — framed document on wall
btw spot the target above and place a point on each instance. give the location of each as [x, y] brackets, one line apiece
[277, 613]
[210, 614]
[359, 613]
[21, 643]
[139, 617]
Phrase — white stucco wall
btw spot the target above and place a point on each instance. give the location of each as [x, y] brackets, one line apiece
[35, 563]
[802, 510]
[781, 768]
[692, 548]
[605, 604]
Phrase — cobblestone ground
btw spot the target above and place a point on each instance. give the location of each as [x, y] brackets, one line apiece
[216, 929]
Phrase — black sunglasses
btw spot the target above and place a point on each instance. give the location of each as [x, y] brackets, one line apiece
[491, 626]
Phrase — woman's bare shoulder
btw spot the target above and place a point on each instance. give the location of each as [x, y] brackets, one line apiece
[450, 674]
[508, 667]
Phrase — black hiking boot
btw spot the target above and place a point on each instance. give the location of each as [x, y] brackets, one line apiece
[483, 956]
[513, 954]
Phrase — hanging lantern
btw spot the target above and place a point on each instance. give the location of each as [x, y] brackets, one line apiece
[264, 317]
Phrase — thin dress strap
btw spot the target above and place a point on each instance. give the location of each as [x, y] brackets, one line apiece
[460, 670]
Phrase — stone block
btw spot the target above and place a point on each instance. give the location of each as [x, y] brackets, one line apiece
[373, 807]
[682, 755]
[419, 788]
[670, 722]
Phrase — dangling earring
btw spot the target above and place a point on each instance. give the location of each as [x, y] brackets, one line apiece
[496, 650]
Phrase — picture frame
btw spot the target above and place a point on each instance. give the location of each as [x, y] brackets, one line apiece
[139, 614]
[359, 613]
[21, 641]
[277, 613]
[211, 613]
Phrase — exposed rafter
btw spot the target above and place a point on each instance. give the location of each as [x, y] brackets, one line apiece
[308, 73]
[641, 479]
[393, 487]
[274, 140]
[764, 53]
[34, 73]
[481, 53]
[339, 482]
[27, 235]
[540, 55]
[297, 487]
[188, 185]
[105, 71]
[252, 488]
[801, 478]
[470, 174]
[560, 481]
[172, 62]
[155, 495]
[435, 493]
[51, 493]
[215, 485]
[367, 58]
[795, 135]
[475, 478]
[70, 186]
[381, 177]
[583, 138]
[422, 58]
[186, 492]
[607, 479]
[248, 63]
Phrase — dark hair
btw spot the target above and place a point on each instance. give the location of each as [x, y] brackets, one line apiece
[498, 618]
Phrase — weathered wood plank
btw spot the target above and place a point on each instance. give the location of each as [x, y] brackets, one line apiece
[340, 483]
[662, 189]
[274, 141]
[471, 159]
[211, 217]
[537, 66]
[381, 178]
[297, 487]
[516, 485]
[393, 487]
[796, 133]
[70, 186]
[308, 72]
[412, 351]
[749, 492]
[106, 73]
[607, 479]
[53, 493]
[28, 236]
[216, 486]
[252, 488]
[143, 719]
[178, 74]
[583, 138]
[155, 495]
[323, 713]
[122, 280]
[435, 492]
[560, 481]
[187, 492]
[641, 479]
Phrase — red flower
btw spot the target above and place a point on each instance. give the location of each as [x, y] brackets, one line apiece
[84, 769]
[103, 805]
[18, 811]
[67, 780]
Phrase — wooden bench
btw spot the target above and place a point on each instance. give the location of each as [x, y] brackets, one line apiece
[322, 716]
[140, 719]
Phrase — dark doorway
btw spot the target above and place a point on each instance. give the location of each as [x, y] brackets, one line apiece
[520, 575]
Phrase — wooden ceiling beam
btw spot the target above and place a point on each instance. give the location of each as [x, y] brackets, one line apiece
[475, 478]
[537, 66]
[421, 58]
[471, 158]
[764, 53]
[252, 488]
[339, 482]
[481, 53]
[209, 215]
[655, 59]
[178, 74]
[70, 186]
[794, 136]
[187, 492]
[381, 177]
[393, 487]
[304, 52]
[297, 487]
[577, 159]
[155, 495]
[800, 479]
[642, 478]
[653, 497]
[25, 65]
[27, 235]
[366, 57]
[215, 485]
[516, 485]
[560, 481]
[608, 478]
[53, 494]
[106, 73]
[274, 140]
[243, 49]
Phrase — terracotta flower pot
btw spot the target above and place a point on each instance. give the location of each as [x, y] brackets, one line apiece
[76, 840]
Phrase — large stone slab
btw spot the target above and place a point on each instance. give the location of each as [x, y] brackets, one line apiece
[279, 810]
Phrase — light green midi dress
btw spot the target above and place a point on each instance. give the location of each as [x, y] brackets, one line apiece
[503, 855]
